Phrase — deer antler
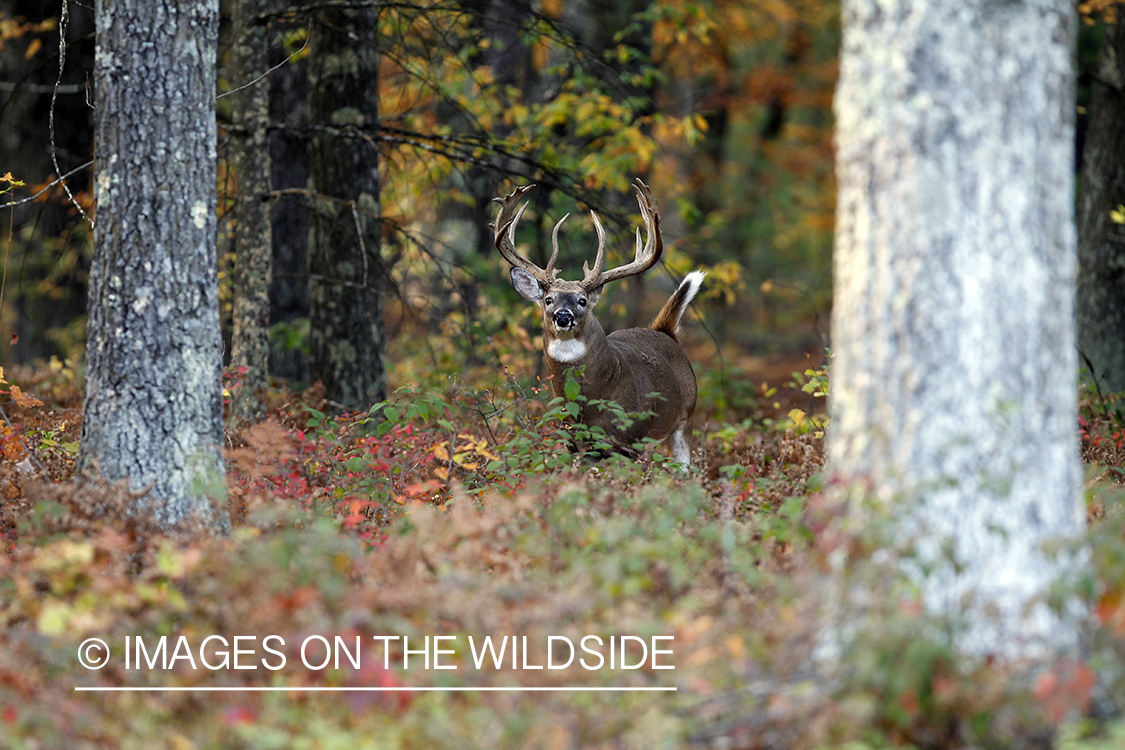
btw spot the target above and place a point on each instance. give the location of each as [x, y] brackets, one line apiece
[505, 228]
[644, 258]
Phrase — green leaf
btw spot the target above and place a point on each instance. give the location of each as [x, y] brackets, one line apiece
[572, 388]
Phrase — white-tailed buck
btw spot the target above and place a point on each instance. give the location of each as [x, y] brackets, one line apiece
[644, 370]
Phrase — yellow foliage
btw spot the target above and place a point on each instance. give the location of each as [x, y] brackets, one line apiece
[24, 400]
[1090, 9]
[725, 281]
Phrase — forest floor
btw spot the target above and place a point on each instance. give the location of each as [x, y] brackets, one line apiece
[461, 517]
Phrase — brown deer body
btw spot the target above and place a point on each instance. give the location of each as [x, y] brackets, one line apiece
[644, 370]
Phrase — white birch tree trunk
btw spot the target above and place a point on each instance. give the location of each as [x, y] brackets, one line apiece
[954, 377]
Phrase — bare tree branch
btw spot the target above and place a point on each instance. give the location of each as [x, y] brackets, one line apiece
[50, 185]
[64, 20]
[307, 8]
[263, 75]
[42, 88]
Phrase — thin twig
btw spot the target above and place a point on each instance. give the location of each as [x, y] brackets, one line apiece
[42, 88]
[359, 236]
[64, 20]
[329, 280]
[306, 194]
[7, 253]
[50, 185]
[349, 5]
[1093, 374]
[275, 67]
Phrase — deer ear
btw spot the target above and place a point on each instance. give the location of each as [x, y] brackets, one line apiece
[594, 295]
[526, 285]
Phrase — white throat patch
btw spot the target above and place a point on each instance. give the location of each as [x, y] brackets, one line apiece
[566, 350]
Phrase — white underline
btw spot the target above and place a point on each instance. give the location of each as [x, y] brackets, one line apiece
[371, 689]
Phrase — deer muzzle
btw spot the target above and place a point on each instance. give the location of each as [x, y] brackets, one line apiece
[564, 319]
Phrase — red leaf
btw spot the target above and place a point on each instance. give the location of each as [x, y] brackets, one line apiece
[423, 488]
[1111, 611]
[1066, 687]
[239, 715]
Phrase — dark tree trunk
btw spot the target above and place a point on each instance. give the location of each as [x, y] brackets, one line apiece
[250, 161]
[1100, 309]
[346, 273]
[289, 217]
[153, 407]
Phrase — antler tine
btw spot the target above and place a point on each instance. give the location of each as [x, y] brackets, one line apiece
[555, 246]
[645, 257]
[507, 206]
[505, 238]
[590, 275]
[505, 228]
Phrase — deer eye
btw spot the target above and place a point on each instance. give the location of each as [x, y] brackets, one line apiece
[548, 300]
[581, 301]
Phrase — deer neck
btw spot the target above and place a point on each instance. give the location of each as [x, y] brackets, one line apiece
[588, 350]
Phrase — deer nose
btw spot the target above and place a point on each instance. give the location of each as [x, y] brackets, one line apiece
[564, 319]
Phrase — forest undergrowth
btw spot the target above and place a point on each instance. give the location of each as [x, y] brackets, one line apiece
[455, 513]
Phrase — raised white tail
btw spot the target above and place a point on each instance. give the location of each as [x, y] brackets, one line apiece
[668, 319]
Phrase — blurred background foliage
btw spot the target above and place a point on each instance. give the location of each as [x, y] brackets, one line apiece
[724, 107]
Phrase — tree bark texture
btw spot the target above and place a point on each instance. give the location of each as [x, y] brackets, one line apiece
[1100, 309]
[289, 216]
[153, 405]
[345, 266]
[250, 159]
[953, 391]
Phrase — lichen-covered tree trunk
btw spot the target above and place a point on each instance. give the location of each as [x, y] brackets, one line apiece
[250, 160]
[953, 391]
[1100, 306]
[153, 404]
[346, 273]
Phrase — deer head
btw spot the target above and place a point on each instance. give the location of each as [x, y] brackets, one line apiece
[641, 369]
